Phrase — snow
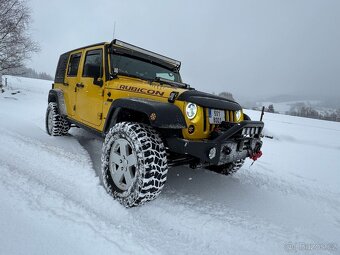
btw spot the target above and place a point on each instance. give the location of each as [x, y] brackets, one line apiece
[52, 201]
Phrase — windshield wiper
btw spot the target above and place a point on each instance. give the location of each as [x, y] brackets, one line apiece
[115, 75]
[169, 82]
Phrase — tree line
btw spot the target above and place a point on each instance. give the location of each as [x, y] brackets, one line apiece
[307, 111]
[16, 44]
[29, 73]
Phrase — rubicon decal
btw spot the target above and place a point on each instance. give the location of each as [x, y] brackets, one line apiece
[141, 90]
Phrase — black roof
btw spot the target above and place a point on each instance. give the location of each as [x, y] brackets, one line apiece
[88, 46]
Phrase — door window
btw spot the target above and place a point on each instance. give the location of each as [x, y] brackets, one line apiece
[73, 65]
[93, 66]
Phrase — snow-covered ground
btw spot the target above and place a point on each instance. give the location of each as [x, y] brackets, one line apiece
[52, 202]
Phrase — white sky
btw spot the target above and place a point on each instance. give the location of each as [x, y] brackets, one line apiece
[263, 47]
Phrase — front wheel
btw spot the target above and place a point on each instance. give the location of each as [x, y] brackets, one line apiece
[134, 163]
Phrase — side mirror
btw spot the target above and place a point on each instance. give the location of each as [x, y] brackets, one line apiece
[98, 81]
[114, 74]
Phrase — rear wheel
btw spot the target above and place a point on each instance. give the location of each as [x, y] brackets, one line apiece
[134, 163]
[56, 125]
[228, 169]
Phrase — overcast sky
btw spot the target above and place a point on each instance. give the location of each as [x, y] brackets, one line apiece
[252, 47]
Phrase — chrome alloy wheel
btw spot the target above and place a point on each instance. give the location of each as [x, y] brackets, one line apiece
[123, 164]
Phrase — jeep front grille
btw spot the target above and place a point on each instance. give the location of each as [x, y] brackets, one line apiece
[230, 116]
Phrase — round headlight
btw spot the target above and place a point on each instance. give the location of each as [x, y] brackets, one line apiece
[238, 115]
[191, 110]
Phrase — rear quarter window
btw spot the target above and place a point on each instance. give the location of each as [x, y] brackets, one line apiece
[61, 68]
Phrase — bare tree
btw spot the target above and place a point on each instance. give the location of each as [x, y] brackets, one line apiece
[227, 95]
[338, 115]
[15, 42]
[271, 108]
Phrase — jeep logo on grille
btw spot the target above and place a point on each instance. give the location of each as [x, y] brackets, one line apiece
[141, 90]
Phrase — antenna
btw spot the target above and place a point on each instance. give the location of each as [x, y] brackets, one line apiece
[114, 30]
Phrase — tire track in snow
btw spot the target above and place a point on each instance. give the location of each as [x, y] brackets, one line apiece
[257, 229]
[37, 181]
[63, 182]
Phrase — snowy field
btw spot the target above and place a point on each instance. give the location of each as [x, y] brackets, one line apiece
[284, 107]
[52, 202]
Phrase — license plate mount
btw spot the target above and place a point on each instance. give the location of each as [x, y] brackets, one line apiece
[216, 116]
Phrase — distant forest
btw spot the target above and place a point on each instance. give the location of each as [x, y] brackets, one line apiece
[307, 111]
[29, 73]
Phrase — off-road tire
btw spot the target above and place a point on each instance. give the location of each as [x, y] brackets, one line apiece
[151, 167]
[60, 125]
[228, 169]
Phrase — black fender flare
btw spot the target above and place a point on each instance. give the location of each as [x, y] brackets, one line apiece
[167, 115]
[57, 96]
[246, 117]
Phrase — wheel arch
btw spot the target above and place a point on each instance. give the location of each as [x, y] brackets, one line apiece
[246, 117]
[57, 96]
[154, 113]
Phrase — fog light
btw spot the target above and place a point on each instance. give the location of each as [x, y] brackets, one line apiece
[191, 129]
[212, 153]
[153, 116]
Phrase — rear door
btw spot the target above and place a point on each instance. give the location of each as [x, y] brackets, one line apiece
[89, 101]
[71, 79]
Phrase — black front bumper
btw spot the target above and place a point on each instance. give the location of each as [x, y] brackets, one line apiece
[237, 142]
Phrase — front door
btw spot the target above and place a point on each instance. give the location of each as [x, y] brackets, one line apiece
[89, 105]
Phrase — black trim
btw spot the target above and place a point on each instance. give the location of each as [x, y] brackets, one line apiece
[53, 96]
[208, 100]
[88, 46]
[84, 126]
[238, 128]
[246, 117]
[167, 115]
[106, 62]
[200, 149]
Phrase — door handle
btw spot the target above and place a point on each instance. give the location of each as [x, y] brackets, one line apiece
[80, 85]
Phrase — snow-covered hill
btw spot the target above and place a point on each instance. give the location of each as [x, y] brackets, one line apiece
[52, 202]
[288, 106]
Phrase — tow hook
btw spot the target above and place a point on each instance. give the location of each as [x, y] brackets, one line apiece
[256, 153]
[255, 156]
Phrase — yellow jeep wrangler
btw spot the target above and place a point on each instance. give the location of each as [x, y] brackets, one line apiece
[150, 119]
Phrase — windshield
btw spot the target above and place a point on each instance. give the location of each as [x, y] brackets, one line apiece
[138, 68]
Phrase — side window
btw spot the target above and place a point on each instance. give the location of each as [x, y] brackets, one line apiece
[93, 66]
[73, 65]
